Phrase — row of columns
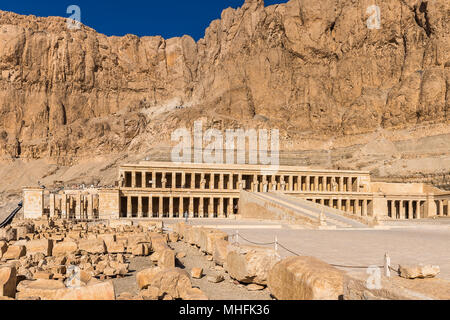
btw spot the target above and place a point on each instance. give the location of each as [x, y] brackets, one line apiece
[345, 205]
[398, 209]
[72, 206]
[259, 183]
[191, 211]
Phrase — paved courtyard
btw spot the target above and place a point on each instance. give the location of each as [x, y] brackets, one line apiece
[427, 243]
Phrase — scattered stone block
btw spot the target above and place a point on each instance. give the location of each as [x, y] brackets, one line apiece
[96, 246]
[8, 234]
[166, 258]
[217, 278]
[98, 291]
[151, 293]
[305, 278]
[255, 287]
[220, 251]
[8, 280]
[171, 281]
[418, 271]
[65, 248]
[44, 289]
[197, 273]
[249, 264]
[14, 252]
[43, 246]
[195, 294]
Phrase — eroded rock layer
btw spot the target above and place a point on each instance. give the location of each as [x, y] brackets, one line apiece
[342, 95]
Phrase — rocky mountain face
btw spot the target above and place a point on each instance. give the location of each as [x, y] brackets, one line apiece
[342, 95]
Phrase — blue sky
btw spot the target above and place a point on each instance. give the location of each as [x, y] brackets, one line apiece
[168, 18]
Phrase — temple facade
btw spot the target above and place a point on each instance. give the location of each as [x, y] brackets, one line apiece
[167, 190]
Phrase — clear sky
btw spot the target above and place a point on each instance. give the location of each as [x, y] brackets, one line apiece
[168, 18]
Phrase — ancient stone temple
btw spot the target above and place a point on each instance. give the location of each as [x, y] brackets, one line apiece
[167, 190]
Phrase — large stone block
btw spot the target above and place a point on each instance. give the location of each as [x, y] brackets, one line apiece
[220, 251]
[39, 246]
[212, 238]
[41, 288]
[8, 234]
[98, 291]
[305, 278]
[8, 280]
[65, 248]
[166, 258]
[14, 252]
[171, 281]
[3, 248]
[249, 264]
[92, 246]
[418, 271]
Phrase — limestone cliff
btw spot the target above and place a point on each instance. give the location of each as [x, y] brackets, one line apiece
[342, 95]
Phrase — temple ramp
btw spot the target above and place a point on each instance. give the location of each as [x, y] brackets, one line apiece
[278, 206]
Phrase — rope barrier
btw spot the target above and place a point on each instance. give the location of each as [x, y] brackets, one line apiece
[298, 255]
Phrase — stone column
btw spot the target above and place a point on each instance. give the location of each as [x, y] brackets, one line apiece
[221, 182]
[230, 208]
[150, 207]
[220, 213]
[393, 213]
[79, 206]
[230, 182]
[171, 207]
[308, 183]
[341, 184]
[356, 208]
[240, 186]
[213, 181]
[202, 181]
[64, 206]
[90, 209]
[164, 180]
[191, 207]
[140, 213]
[129, 207]
[402, 210]
[192, 181]
[410, 209]
[144, 179]
[183, 180]
[174, 180]
[339, 203]
[364, 208]
[316, 184]
[133, 179]
[291, 183]
[161, 207]
[441, 208]
[211, 208]
[52, 205]
[201, 208]
[180, 208]
[349, 184]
